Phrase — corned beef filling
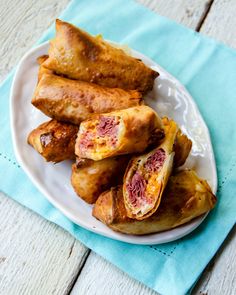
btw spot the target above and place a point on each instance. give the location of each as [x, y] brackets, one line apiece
[155, 161]
[107, 126]
[86, 140]
[136, 189]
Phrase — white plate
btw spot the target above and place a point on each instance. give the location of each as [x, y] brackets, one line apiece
[168, 98]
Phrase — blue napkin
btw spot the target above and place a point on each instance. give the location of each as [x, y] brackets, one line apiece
[208, 70]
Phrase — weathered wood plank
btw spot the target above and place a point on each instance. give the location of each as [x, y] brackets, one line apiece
[36, 256]
[101, 277]
[21, 24]
[221, 22]
[188, 13]
[220, 276]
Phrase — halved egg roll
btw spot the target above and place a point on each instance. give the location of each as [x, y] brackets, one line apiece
[121, 132]
[78, 55]
[54, 140]
[74, 101]
[90, 178]
[186, 197]
[146, 176]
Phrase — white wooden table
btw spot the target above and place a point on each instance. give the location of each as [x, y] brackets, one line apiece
[38, 257]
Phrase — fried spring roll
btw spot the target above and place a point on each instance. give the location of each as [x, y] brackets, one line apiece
[54, 140]
[74, 101]
[185, 198]
[78, 55]
[182, 146]
[182, 149]
[116, 133]
[42, 70]
[146, 177]
[90, 178]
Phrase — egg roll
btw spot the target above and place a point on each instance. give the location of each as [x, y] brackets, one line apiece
[182, 145]
[186, 197]
[54, 140]
[74, 101]
[90, 178]
[120, 132]
[146, 176]
[78, 55]
[42, 70]
[182, 149]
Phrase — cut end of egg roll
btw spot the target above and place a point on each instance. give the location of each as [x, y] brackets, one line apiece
[147, 175]
[54, 140]
[74, 101]
[78, 55]
[186, 197]
[89, 178]
[120, 132]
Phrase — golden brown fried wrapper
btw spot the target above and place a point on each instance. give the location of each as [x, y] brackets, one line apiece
[42, 70]
[185, 198]
[54, 140]
[74, 101]
[80, 56]
[90, 178]
[182, 146]
[182, 149]
[147, 175]
[117, 133]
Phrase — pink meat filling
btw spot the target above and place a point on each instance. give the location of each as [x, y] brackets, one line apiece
[136, 189]
[155, 161]
[86, 140]
[107, 127]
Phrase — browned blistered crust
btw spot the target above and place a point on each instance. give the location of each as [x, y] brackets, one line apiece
[42, 70]
[74, 101]
[89, 178]
[135, 134]
[78, 55]
[54, 140]
[182, 146]
[185, 198]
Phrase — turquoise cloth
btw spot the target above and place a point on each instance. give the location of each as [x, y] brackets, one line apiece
[208, 70]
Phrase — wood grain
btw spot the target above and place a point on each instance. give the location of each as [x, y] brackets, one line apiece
[186, 12]
[219, 276]
[220, 23]
[36, 256]
[22, 24]
[101, 277]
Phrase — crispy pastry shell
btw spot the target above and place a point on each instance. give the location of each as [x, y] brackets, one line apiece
[42, 70]
[89, 178]
[54, 140]
[185, 198]
[182, 146]
[138, 128]
[147, 175]
[74, 101]
[80, 56]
